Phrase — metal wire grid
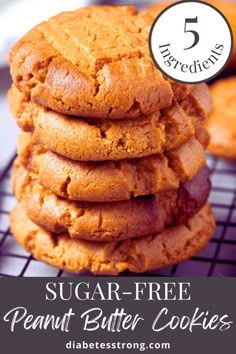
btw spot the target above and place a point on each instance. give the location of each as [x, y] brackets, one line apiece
[217, 259]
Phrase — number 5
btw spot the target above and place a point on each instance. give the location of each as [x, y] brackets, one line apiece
[196, 35]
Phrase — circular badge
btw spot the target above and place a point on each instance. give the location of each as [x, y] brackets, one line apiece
[191, 42]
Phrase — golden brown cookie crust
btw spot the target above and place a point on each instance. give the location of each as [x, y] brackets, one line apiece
[101, 68]
[173, 245]
[99, 140]
[112, 220]
[109, 180]
[222, 121]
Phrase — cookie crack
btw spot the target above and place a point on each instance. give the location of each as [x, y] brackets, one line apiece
[65, 187]
[30, 241]
[98, 64]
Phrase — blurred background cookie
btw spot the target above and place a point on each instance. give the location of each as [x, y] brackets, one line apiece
[221, 123]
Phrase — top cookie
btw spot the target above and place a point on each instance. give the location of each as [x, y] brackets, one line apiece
[93, 62]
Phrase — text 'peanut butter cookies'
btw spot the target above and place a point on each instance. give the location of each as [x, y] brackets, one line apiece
[93, 62]
[113, 220]
[172, 246]
[93, 140]
[109, 180]
[222, 121]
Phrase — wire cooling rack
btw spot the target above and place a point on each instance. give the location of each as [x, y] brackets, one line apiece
[217, 259]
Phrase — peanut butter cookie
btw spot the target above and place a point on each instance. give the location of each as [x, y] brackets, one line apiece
[93, 62]
[99, 140]
[109, 180]
[173, 245]
[112, 220]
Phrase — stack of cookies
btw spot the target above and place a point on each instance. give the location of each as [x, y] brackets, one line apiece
[110, 173]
